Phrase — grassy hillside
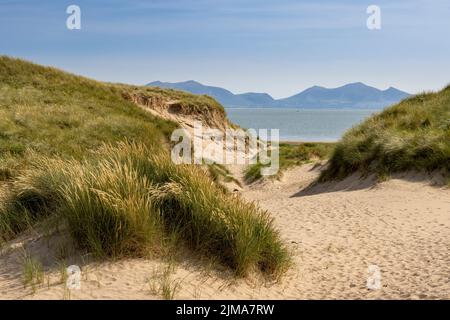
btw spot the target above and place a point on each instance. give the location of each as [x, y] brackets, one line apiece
[412, 135]
[79, 152]
[52, 112]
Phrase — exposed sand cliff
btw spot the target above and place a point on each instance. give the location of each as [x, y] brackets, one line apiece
[174, 110]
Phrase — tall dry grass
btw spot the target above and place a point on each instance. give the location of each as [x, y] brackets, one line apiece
[128, 200]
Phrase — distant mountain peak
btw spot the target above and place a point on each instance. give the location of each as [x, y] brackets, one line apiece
[356, 85]
[192, 82]
[317, 87]
[392, 89]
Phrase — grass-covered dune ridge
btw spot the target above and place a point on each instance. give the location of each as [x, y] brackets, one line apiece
[168, 103]
[185, 102]
[412, 135]
[79, 152]
[52, 111]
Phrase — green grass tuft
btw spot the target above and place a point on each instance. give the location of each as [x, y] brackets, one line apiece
[32, 272]
[292, 155]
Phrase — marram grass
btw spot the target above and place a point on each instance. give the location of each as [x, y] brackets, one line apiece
[129, 201]
[412, 135]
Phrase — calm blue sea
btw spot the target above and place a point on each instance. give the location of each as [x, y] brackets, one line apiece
[300, 124]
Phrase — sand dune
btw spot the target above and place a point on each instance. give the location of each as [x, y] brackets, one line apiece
[335, 232]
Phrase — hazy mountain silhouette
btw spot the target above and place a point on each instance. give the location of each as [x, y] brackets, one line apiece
[353, 95]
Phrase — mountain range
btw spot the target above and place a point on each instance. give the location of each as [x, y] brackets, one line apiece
[353, 95]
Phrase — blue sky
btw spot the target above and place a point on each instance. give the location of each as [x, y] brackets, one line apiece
[278, 46]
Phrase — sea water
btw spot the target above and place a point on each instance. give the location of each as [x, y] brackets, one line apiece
[300, 124]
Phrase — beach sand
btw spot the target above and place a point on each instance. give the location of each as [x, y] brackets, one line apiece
[335, 231]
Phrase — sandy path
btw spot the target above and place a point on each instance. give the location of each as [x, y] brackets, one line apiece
[336, 231]
[340, 229]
